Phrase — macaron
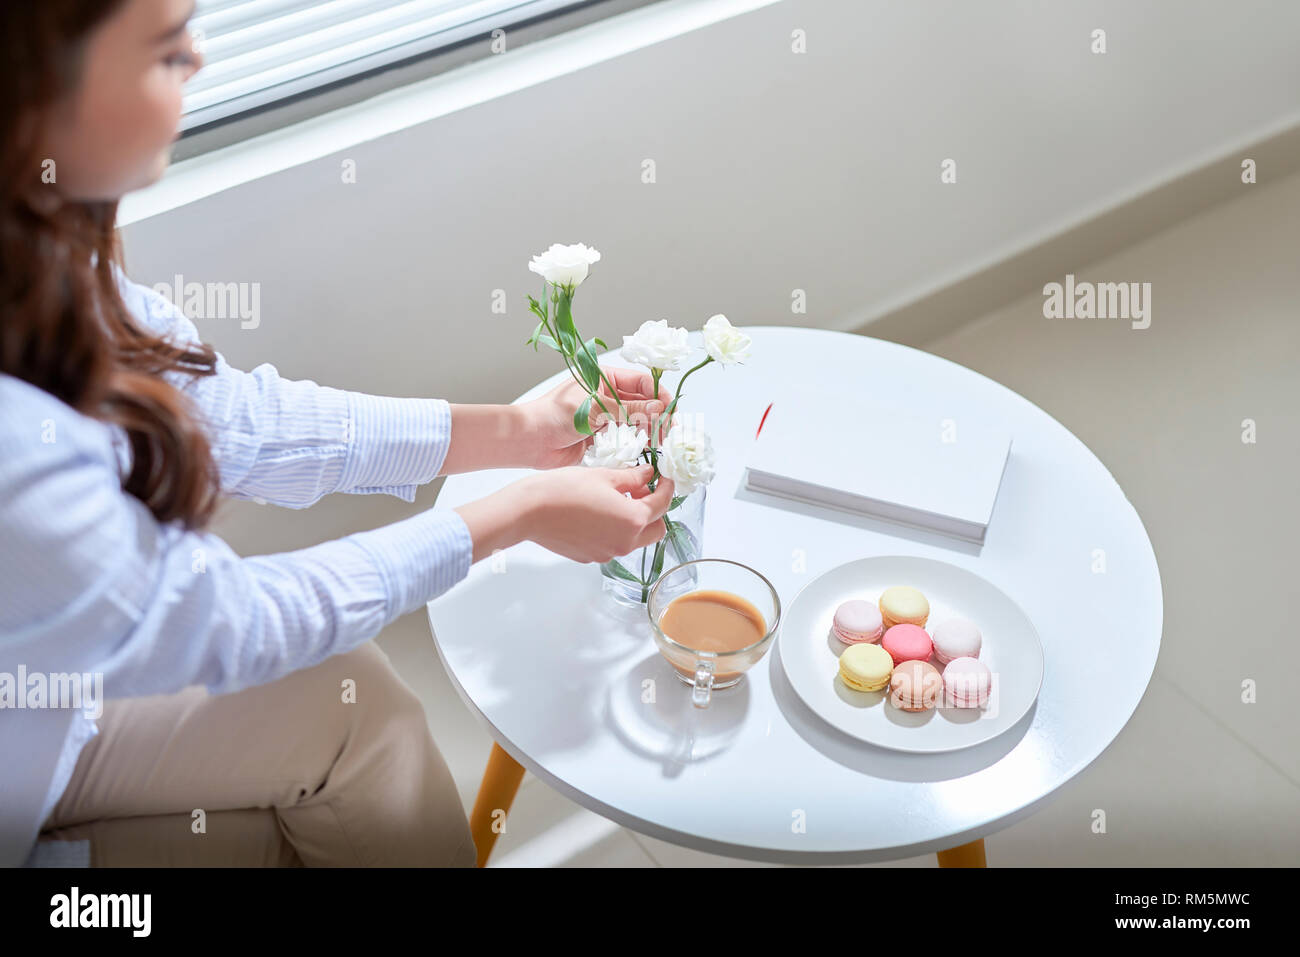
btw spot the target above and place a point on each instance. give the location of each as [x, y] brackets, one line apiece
[903, 604]
[865, 667]
[956, 638]
[915, 686]
[966, 683]
[857, 620]
[907, 643]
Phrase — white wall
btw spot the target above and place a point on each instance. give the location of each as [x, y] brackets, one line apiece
[775, 171]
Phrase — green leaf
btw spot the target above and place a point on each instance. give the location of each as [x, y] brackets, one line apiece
[680, 537]
[658, 565]
[599, 342]
[618, 571]
[547, 340]
[564, 323]
[590, 370]
[677, 500]
[581, 417]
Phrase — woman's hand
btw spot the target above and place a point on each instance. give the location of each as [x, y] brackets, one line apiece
[594, 514]
[585, 514]
[552, 441]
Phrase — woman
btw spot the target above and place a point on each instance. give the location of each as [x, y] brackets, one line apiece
[247, 719]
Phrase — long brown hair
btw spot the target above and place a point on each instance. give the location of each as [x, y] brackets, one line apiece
[63, 324]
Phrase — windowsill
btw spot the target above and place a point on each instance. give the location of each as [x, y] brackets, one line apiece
[465, 86]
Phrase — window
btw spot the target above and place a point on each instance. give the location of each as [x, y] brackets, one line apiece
[260, 53]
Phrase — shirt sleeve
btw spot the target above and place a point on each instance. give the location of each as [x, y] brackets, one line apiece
[90, 581]
[291, 442]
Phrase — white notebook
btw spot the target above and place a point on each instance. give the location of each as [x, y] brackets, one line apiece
[882, 460]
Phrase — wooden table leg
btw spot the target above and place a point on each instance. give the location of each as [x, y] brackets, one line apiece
[964, 855]
[496, 792]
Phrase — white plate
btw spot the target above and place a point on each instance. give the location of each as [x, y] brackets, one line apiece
[810, 654]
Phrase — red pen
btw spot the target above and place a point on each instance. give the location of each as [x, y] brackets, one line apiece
[763, 419]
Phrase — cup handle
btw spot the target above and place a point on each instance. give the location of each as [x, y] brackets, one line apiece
[703, 689]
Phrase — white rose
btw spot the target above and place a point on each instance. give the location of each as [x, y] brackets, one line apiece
[616, 446]
[656, 345]
[724, 342]
[687, 459]
[564, 265]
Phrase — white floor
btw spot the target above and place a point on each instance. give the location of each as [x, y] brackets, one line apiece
[1197, 777]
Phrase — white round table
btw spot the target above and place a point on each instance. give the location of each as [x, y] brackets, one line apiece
[557, 672]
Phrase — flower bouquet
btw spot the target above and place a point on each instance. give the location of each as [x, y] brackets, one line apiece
[685, 454]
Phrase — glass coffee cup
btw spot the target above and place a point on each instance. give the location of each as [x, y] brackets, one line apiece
[705, 660]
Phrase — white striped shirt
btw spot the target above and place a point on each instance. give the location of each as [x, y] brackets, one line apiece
[91, 583]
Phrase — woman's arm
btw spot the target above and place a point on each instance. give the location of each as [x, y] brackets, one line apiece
[488, 437]
[91, 582]
[290, 442]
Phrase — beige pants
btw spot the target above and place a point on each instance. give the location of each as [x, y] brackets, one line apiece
[286, 774]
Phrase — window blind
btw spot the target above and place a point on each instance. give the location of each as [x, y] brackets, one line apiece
[260, 51]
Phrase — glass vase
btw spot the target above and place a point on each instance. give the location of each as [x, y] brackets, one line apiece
[629, 578]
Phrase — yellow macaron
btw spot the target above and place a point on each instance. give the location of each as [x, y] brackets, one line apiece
[866, 667]
[903, 604]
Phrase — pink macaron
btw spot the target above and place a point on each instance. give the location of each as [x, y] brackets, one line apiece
[857, 621]
[956, 638]
[966, 683]
[907, 643]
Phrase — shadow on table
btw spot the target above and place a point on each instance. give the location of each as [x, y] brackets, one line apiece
[543, 679]
[650, 710]
[545, 686]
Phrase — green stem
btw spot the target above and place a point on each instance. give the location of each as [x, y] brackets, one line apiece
[672, 406]
[612, 390]
[655, 375]
[568, 291]
[554, 333]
